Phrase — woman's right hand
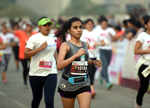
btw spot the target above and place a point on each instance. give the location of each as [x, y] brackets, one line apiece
[102, 43]
[80, 52]
[43, 46]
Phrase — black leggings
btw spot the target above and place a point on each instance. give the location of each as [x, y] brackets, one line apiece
[25, 67]
[144, 83]
[47, 83]
[92, 70]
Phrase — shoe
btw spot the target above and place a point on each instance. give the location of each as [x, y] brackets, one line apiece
[109, 86]
[4, 81]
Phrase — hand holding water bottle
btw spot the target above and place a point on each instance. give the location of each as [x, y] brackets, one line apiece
[80, 52]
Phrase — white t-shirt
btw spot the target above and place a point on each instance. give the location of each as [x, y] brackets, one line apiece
[90, 38]
[144, 38]
[43, 63]
[7, 38]
[104, 35]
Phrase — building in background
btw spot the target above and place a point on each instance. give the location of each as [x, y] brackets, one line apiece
[50, 8]
[53, 8]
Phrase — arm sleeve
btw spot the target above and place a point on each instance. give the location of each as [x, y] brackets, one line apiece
[30, 43]
[140, 38]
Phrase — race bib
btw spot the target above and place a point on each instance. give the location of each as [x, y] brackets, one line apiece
[146, 72]
[45, 64]
[79, 67]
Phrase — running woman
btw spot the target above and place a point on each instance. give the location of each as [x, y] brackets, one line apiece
[41, 48]
[89, 37]
[105, 36]
[142, 48]
[73, 59]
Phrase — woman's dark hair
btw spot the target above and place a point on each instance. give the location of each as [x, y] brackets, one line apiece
[65, 27]
[101, 19]
[88, 20]
[125, 22]
[146, 19]
[118, 27]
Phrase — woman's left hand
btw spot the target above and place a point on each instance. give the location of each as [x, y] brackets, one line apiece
[98, 63]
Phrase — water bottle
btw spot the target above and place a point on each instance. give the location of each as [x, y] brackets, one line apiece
[82, 58]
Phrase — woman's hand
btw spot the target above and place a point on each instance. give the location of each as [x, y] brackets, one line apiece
[98, 63]
[102, 43]
[80, 52]
[43, 46]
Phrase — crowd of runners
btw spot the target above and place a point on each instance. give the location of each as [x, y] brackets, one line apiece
[77, 48]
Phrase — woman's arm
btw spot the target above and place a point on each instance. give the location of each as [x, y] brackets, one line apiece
[61, 61]
[29, 52]
[138, 50]
[100, 43]
[98, 63]
[2, 46]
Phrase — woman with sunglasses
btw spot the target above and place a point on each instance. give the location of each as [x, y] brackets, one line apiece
[41, 48]
[73, 59]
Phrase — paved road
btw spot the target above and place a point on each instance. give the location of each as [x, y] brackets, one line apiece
[15, 95]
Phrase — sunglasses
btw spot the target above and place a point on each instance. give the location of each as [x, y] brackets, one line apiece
[76, 27]
[48, 24]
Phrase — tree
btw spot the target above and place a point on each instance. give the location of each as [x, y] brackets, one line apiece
[77, 8]
[6, 3]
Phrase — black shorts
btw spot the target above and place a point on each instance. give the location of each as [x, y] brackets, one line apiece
[74, 93]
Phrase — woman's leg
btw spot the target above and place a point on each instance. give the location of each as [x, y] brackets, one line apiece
[144, 83]
[68, 102]
[92, 70]
[36, 84]
[49, 90]
[84, 100]
[25, 70]
[105, 56]
[6, 61]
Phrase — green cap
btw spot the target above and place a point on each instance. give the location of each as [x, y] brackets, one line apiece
[44, 21]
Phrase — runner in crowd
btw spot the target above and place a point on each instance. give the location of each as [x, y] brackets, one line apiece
[41, 48]
[89, 37]
[8, 39]
[73, 59]
[23, 36]
[142, 48]
[15, 48]
[2, 47]
[105, 36]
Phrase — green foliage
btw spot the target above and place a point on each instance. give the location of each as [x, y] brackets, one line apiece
[77, 8]
[14, 10]
[6, 3]
[84, 7]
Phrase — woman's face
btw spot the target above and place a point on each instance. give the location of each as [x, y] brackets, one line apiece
[89, 26]
[4, 29]
[45, 29]
[28, 28]
[76, 29]
[104, 24]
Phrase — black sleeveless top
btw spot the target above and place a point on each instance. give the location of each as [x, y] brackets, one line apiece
[72, 51]
[63, 83]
